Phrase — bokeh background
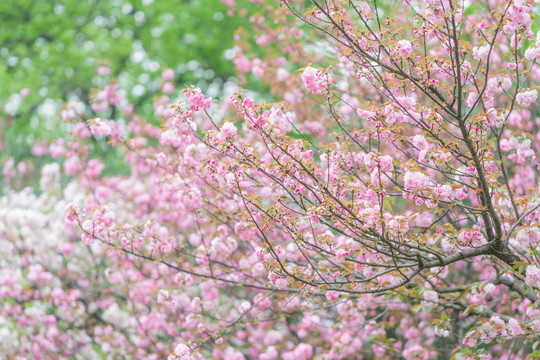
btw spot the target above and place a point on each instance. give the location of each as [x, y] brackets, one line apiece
[50, 51]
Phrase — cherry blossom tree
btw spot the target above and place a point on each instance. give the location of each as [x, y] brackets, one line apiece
[380, 200]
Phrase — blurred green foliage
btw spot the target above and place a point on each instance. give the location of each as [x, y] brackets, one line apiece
[53, 48]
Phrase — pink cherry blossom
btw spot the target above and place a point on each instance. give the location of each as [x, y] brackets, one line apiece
[332, 295]
[527, 98]
[404, 48]
[532, 277]
[315, 80]
[416, 180]
[100, 127]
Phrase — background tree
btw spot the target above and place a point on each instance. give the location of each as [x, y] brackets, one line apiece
[52, 49]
